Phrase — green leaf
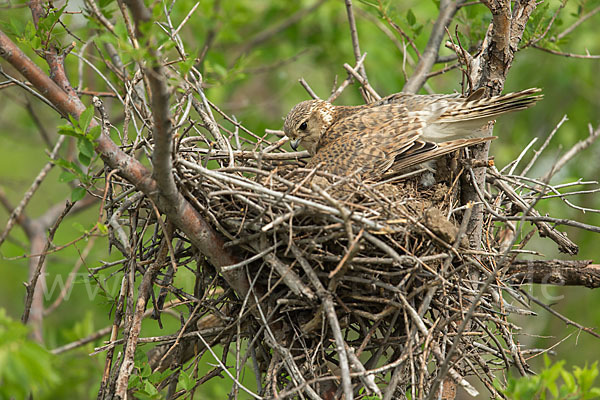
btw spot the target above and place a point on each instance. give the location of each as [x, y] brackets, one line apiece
[102, 228]
[85, 147]
[185, 66]
[186, 382]
[29, 32]
[586, 376]
[78, 227]
[145, 371]
[94, 132]
[86, 117]
[150, 389]
[569, 380]
[66, 177]
[410, 17]
[68, 130]
[73, 121]
[84, 160]
[77, 194]
[71, 167]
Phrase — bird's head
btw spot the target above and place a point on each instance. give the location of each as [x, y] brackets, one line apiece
[307, 122]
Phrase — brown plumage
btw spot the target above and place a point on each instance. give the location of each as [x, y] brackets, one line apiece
[396, 132]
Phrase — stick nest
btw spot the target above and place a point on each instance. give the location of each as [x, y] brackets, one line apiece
[380, 271]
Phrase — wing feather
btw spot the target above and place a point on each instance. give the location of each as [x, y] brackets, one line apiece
[369, 141]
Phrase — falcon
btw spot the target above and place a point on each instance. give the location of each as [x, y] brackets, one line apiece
[397, 132]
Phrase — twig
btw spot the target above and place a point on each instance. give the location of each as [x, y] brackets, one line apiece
[16, 213]
[362, 81]
[560, 316]
[572, 27]
[568, 55]
[573, 151]
[307, 87]
[31, 286]
[447, 10]
[539, 151]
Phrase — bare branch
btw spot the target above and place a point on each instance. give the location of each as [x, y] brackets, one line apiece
[447, 10]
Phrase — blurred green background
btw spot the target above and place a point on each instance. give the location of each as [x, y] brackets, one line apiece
[257, 81]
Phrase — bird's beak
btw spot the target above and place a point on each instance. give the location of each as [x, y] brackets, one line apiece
[295, 144]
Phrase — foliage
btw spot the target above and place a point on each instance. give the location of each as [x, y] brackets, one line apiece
[25, 366]
[555, 382]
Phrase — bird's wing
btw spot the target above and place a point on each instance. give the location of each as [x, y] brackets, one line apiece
[431, 151]
[369, 141]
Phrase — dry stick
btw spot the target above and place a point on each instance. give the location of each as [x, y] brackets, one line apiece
[180, 333]
[225, 369]
[426, 332]
[14, 216]
[328, 307]
[28, 89]
[83, 341]
[568, 55]
[560, 316]
[98, 334]
[562, 196]
[573, 151]
[362, 81]
[101, 18]
[245, 154]
[71, 278]
[307, 87]
[279, 195]
[571, 28]
[447, 10]
[539, 151]
[367, 378]
[288, 359]
[36, 274]
[145, 290]
[118, 321]
[470, 313]
[356, 45]
[495, 59]
[290, 277]
[336, 93]
[564, 243]
[558, 272]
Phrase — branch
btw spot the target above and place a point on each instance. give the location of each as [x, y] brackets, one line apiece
[493, 64]
[568, 55]
[16, 213]
[36, 274]
[430, 54]
[573, 151]
[201, 234]
[133, 332]
[571, 28]
[557, 272]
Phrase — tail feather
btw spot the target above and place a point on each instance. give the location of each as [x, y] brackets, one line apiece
[488, 108]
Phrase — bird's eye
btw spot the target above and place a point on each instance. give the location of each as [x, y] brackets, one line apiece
[303, 126]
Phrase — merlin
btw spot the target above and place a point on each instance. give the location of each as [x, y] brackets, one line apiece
[397, 132]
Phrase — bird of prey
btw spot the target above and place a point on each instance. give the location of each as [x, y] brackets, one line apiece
[397, 132]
